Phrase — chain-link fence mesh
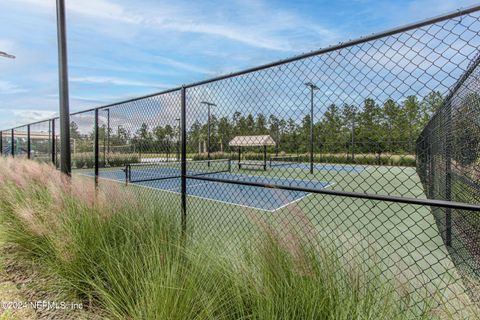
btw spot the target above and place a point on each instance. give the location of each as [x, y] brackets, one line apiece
[56, 141]
[41, 141]
[449, 169]
[6, 142]
[21, 141]
[354, 145]
[82, 141]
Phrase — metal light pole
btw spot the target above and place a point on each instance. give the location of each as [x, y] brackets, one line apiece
[353, 137]
[108, 131]
[312, 88]
[6, 55]
[278, 141]
[65, 159]
[178, 139]
[107, 135]
[208, 104]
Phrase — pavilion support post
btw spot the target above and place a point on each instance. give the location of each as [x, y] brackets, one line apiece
[265, 158]
[239, 157]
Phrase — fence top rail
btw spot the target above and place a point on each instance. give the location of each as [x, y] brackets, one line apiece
[341, 45]
[350, 194]
[32, 123]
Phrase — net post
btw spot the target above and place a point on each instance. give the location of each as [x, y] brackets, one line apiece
[96, 148]
[29, 144]
[12, 146]
[53, 141]
[183, 161]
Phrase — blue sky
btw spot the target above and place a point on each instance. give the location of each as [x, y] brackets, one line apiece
[120, 49]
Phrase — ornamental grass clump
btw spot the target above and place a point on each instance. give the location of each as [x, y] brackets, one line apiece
[125, 257]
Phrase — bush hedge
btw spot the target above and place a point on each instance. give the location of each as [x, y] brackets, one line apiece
[86, 160]
[384, 159]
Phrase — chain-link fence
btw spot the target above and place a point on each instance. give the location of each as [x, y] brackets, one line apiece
[372, 145]
[6, 142]
[449, 170]
[41, 141]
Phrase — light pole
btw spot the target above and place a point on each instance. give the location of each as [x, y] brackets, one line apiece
[107, 134]
[278, 140]
[65, 159]
[208, 104]
[353, 136]
[178, 139]
[312, 88]
[6, 55]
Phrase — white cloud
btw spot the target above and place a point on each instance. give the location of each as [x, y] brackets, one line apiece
[91, 8]
[118, 82]
[435, 7]
[251, 26]
[255, 24]
[7, 45]
[181, 65]
[22, 116]
[7, 87]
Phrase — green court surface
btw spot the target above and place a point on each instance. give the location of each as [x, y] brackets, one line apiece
[402, 239]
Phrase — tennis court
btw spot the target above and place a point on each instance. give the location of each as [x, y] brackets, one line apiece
[321, 167]
[166, 177]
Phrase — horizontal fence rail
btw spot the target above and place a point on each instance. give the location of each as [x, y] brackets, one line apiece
[372, 144]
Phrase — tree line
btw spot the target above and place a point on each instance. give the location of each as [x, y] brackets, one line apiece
[372, 127]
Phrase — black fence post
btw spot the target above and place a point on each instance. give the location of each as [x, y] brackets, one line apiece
[29, 144]
[53, 141]
[431, 165]
[1, 143]
[96, 148]
[448, 175]
[184, 160]
[13, 143]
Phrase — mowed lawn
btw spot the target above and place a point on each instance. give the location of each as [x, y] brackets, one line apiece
[402, 239]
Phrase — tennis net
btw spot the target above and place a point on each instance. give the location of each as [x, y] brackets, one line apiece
[277, 161]
[150, 171]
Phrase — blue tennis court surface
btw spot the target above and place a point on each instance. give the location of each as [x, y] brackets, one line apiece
[246, 196]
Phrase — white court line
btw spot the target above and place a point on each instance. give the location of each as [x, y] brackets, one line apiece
[301, 198]
[176, 192]
[203, 198]
[188, 186]
[269, 177]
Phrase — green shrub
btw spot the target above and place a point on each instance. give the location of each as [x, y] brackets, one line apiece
[406, 160]
[87, 160]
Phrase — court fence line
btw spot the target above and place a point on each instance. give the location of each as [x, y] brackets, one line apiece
[436, 59]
